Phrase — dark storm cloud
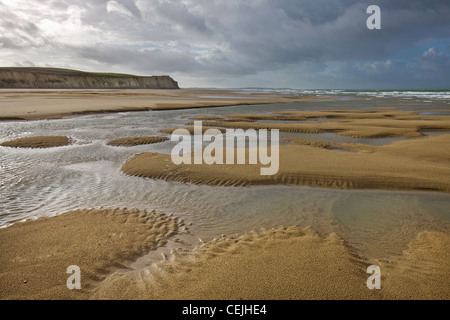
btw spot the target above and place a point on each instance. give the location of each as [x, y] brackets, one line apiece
[214, 39]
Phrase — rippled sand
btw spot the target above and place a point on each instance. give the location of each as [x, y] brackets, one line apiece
[38, 142]
[35, 254]
[135, 141]
[286, 263]
[418, 163]
[399, 165]
[354, 123]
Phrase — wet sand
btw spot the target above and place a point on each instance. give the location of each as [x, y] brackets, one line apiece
[284, 263]
[415, 164]
[37, 142]
[53, 104]
[418, 162]
[422, 272]
[35, 254]
[355, 123]
[135, 141]
[300, 264]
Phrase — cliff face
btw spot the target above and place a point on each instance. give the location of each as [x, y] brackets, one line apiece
[37, 78]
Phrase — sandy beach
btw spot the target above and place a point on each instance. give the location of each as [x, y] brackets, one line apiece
[36, 254]
[286, 263]
[281, 263]
[54, 104]
[289, 264]
[210, 157]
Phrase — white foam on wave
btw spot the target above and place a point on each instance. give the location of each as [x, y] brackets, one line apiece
[404, 94]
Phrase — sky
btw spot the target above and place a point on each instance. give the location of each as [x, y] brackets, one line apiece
[302, 44]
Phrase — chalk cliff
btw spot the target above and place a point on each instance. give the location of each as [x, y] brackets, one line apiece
[50, 78]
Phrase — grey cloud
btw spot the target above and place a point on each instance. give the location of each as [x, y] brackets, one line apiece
[434, 66]
[431, 69]
[131, 6]
[18, 33]
[180, 14]
[146, 60]
[24, 64]
[219, 39]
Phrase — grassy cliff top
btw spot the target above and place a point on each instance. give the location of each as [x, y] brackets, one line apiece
[65, 71]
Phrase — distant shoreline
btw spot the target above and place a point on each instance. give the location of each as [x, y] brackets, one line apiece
[37, 104]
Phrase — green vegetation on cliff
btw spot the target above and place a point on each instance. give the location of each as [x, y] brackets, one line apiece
[56, 78]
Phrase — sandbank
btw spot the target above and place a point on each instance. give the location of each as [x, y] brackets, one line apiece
[38, 142]
[418, 162]
[135, 141]
[354, 123]
[50, 104]
[414, 164]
